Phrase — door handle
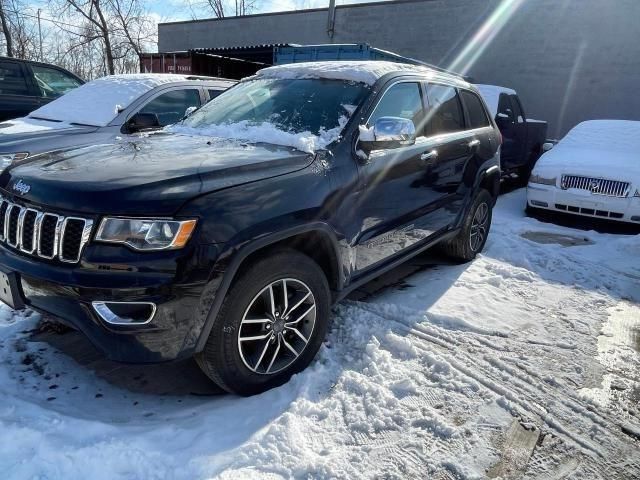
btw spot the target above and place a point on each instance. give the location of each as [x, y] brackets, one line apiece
[429, 156]
[474, 144]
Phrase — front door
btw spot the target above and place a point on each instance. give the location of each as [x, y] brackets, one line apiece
[395, 194]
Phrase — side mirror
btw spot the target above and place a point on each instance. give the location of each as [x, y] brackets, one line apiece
[189, 111]
[546, 146]
[143, 121]
[388, 132]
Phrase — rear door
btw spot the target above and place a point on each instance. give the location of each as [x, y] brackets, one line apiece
[455, 145]
[18, 97]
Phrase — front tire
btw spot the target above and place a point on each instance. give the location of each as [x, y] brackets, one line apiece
[270, 326]
[474, 231]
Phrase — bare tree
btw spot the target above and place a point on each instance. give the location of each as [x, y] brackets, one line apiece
[221, 8]
[5, 30]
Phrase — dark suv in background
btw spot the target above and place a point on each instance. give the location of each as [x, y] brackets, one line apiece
[26, 86]
[229, 237]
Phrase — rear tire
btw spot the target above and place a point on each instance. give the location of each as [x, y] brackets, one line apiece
[474, 231]
[271, 324]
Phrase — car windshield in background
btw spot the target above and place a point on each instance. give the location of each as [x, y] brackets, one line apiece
[291, 105]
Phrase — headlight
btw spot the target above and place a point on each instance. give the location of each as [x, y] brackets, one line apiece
[7, 159]
[146, 234]
[542, 180]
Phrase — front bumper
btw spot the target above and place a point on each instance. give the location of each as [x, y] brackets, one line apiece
[583, 203]
[169, 280]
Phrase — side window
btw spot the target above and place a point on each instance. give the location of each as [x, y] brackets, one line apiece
[401, 100]
[517, 109]
[214, 93]
[170, 107]
[52, 82]
[477, 115]
[445, 111]
[12, 79]
[504, 108]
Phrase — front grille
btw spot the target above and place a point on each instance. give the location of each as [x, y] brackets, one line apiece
[597, 186]
[43, 234]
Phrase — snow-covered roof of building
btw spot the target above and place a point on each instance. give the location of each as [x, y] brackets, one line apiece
[367, 72]
[491, 95]
[98, 102]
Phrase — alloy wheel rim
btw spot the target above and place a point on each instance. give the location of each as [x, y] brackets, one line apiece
[479, 227]
[277, 326]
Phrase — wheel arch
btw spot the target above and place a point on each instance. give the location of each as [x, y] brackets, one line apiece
[316, 240]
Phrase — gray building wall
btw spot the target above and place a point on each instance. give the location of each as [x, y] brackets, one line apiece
[570, 60]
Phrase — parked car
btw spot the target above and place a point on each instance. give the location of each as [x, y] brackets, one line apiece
[26, 86]
[104, 109]
[523, 139]
[593, 171]
[228, 236]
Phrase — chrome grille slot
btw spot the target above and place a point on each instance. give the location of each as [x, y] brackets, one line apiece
[43, 234]
[597, 186]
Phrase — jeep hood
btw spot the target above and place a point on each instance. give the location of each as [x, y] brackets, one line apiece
[148, 176]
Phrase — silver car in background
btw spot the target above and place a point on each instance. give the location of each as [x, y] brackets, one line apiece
[104, 109]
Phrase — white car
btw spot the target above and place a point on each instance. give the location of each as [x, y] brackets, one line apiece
[593, 171]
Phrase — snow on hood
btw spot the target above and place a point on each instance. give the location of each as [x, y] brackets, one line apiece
[30, 125]
[367, 72]
[603, 148]
[98, 102]
[265, 133]
[491, 95]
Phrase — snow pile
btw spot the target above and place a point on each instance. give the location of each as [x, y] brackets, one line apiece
[265, 133]
[367, 72]
[600, 148]
[98, 102]
[491, 96]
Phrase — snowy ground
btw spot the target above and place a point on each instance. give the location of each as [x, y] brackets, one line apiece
[521, 364]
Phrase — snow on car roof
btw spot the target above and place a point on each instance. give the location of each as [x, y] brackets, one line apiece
[98, 102]
[367, 72]
[620, 135]
[491, 95]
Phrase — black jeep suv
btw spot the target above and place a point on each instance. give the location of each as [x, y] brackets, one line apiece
[229, 237]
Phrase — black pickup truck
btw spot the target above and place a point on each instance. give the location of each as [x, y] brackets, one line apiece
[227, 237]
[523, 139]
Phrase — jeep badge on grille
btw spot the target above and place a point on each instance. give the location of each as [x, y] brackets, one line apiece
[21, 187]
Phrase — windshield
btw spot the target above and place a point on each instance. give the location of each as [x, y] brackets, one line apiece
[292, 105]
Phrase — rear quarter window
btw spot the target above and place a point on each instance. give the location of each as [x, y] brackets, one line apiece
[475, 110]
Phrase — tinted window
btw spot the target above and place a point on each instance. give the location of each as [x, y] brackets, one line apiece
[445, 111]
[402, 100]
[53, 82]
[504, 107]
[12, 80]
[517, 109]
[477, 115]
[214, 93]
[170, 107]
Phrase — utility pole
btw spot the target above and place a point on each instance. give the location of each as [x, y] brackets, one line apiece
[40, 35]
[331, 20]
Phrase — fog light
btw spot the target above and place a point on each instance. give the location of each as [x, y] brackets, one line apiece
[536, 203]
[125, 313]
